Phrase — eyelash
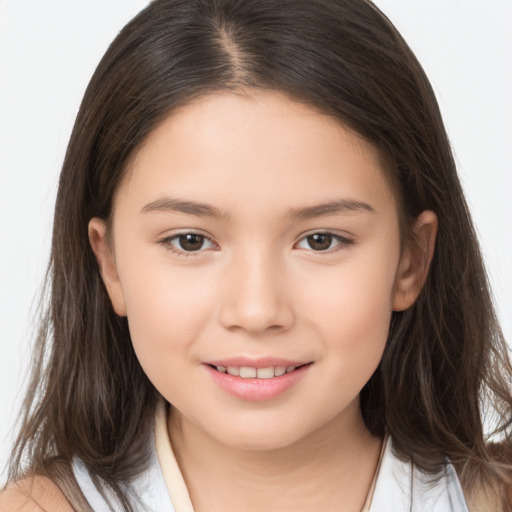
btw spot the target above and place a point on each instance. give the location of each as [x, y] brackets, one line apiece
[342, 242]
[167, 243]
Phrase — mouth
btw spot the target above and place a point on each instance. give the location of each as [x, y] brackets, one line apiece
[249, 372]
[257, 383]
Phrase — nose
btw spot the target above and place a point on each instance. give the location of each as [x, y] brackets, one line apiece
[255, 297]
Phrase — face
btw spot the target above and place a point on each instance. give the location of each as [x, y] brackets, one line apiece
[255, 250]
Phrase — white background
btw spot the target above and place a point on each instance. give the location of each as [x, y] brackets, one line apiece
[49, 49]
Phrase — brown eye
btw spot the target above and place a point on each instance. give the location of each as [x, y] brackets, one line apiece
[187, 244]
[324, 242]
[191, 242]
[320, 241]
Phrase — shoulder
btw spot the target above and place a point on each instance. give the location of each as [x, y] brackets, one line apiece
[496, 493]
[33, 494]
[484, 499]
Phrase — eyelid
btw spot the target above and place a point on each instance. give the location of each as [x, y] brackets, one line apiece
[343, 240]
[166, 242]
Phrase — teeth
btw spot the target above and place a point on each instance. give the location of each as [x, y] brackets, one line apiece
[247, 372]
[279, 370]
[265, 373]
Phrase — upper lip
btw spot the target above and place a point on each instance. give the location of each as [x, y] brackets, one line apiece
[260, 362]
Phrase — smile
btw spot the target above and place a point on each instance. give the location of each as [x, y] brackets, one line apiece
[247, 372]
[257, 383]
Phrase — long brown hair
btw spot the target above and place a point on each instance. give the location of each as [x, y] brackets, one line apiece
[445, 358]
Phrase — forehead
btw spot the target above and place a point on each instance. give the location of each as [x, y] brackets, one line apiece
[236, 148]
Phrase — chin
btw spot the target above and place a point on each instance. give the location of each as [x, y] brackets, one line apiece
[260, 443]
[260, 437]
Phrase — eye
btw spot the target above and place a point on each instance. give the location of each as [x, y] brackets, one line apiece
[323, 242]
[188, 243]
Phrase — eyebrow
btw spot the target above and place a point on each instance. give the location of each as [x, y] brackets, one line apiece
[330, 208]
[171, 205]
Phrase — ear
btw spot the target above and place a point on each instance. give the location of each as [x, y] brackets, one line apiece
[101, 247]
[415, 261]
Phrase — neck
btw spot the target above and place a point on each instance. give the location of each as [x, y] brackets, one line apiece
[331, 466]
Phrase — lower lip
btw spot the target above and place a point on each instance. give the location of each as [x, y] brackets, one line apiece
[257, 389]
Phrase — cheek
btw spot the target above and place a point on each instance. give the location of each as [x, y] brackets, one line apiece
[351, 308]
[357, 332]
[167, 310]
[357, 295]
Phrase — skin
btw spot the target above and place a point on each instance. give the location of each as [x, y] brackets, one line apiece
[259, 287]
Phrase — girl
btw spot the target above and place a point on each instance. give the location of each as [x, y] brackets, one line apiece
[266, 291]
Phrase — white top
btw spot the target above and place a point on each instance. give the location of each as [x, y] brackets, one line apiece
[397, 486]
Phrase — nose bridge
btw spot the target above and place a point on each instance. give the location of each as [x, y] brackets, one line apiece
[256, 297]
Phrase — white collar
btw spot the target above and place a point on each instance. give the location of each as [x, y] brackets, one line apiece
[402, 487]
[396, 487]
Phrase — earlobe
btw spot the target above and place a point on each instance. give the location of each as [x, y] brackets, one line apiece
[415, 261]
[98, 238]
